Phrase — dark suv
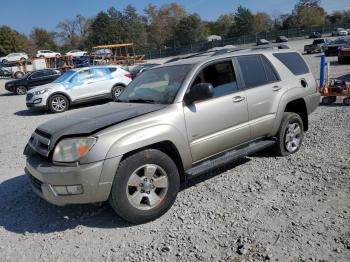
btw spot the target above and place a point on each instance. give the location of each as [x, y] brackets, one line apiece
[32, 79]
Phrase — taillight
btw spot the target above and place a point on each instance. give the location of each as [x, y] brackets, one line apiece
[128, 75]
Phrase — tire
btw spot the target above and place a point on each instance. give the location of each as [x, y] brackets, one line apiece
[327, 100]
[131, 192]
[116, 91]
[4, 61]
[18, 74]
[308, 52]
[41, 56]
[20, 90]
[346, 101]
[290, 135]
[23, 59]
[58, 103]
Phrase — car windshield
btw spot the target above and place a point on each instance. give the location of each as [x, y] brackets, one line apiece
[159, 85]
[66, 76]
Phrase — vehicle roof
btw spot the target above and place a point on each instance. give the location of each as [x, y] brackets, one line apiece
[92, 67]
[209, 56]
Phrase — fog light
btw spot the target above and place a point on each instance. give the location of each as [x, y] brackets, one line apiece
[37, 101]
[68, 190]
[75, 190]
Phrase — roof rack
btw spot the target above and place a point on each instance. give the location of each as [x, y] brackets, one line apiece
[271, 46]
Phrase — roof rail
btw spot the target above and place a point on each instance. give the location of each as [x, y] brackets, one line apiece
[227, 50]
[271, 46]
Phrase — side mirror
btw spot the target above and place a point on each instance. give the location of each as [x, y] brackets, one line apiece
[199, 92]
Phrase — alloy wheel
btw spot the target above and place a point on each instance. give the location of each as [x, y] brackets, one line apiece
[59, 104]
[293, 137]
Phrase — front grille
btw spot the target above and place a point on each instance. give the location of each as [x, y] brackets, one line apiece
[40, 142]
[29, 96]
[35, 182]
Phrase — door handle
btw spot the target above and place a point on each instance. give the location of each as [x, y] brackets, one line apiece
[276, 88]
[237, 99]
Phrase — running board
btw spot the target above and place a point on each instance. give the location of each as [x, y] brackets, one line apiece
[228, 156]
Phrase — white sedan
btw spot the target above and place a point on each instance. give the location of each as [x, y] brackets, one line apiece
[14, 57]
[76, 53]
[47, 54]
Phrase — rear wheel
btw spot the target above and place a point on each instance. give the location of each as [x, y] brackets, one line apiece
[290, 135]
[116, 91]
[4, 61]
[18, 74]
[20, 90]
[346, 101]
[327, 100]
[23, 59]
[58, 104]
[145, 186]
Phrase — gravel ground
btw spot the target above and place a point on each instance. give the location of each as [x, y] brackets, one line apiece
[260, 208]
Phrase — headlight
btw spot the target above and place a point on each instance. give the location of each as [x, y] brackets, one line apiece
[40, 92]
[72, 149]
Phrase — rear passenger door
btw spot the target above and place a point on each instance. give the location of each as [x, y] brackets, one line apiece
[221, 122]
[263, 90]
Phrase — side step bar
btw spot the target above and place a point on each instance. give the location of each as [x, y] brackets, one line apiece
[228, 156]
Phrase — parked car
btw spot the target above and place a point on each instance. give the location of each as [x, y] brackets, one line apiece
[47, 54]
[5, 71]
[333, 48]
[344, 55]
[82, 61]
[14, 57]
[32, 79]
[339, 32]
[170, 124]
[318, 45]
[76, 53]
[262, 42]
[102, 52]
[77, 86]
[315, 35]
[281, 39]
[137, 70]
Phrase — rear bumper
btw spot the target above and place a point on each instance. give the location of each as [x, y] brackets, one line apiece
[44, 176]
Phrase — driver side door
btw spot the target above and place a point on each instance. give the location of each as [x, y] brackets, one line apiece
[221, 122]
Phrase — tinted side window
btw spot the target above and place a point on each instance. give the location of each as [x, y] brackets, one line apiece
[112, 69]
[253, 70]
[221, 76]
[294, 62]
[270, 71]
[37, 74]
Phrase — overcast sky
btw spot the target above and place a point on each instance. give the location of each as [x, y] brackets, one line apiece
[23, 15]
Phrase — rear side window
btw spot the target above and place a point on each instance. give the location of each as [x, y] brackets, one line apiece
[294, 62]
[112, 69]
[270, 71]
[253, 70]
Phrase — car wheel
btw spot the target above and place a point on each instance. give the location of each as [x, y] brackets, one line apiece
[58, 104]
[41, 56]
[346, 101]
[145, 186]
[116, 91]
[290, 135]
[327, 100]
[4, 61]
[23, 59]
[20, 90]
[57, 55]
[308, 52]
[18, 74]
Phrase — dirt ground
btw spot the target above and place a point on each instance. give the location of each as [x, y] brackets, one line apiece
[260, 208]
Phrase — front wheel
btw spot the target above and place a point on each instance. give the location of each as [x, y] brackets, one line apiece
[346, 101]
[290, 135]
[116, 91]
[145, 186]
[58, 104]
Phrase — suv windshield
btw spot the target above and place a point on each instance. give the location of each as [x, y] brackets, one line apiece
[64, 77]
[159, 85]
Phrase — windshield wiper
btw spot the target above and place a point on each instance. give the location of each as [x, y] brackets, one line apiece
[140, 100]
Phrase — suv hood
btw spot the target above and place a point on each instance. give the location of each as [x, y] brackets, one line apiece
[47, 86]
[94, 119]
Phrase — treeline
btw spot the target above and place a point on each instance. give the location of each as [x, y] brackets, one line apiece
[169, 25]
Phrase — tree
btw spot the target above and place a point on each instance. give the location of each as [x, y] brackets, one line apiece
[101, 31]
[339, 17]
[73, 32]
[162, 23]
[190, 30]
[244, 20]
[308, 13]
[12, 41]
[262, 22]
[43, 39]
[224, 25]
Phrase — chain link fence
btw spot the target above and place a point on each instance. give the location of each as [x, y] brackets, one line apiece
[239, 40]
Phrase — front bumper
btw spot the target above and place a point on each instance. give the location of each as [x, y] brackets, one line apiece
[36, 101]
[96, 180]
